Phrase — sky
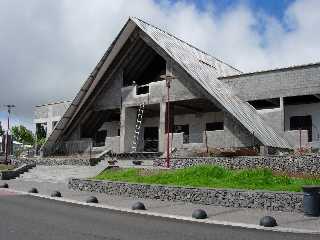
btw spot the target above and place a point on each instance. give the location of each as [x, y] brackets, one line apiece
[48, 48]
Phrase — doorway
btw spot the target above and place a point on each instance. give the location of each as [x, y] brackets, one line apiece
[303, 123]
[151, 139]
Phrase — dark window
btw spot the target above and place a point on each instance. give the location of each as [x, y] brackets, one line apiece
[305, 99]
[303, 123]
[265, 103]
[151, 139]
[54, 123]
[183, 129]
[101, 138]
[118, 132]
[142, 89]
[213, 126]
[41, 130]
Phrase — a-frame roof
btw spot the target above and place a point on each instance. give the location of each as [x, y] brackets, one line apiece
[200, 66]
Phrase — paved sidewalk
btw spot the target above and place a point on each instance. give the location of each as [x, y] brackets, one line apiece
[236, 215]
[60, 174]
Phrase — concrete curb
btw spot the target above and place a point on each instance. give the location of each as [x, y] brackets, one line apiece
[169, 216]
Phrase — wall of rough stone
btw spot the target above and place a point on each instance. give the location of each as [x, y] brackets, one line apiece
[304, 164]
[275, 201]
[57, 161]
[10, 174]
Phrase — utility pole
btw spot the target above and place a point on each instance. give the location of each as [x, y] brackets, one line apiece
[168, 79]
[9, 107]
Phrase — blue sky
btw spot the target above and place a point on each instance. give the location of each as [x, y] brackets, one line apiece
[274, 8]
[48, 48]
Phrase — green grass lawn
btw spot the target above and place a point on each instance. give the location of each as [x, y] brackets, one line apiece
[212, 177]
[4, 167]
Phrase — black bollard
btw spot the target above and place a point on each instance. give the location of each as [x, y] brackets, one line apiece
[268, 221]
[5, 185]
[138, 206]
[199, 214]
[92, 199]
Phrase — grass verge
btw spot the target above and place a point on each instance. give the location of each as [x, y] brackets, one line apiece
[212, 177]
[4, 167]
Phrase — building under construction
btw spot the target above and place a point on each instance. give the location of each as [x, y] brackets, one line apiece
[150, 83]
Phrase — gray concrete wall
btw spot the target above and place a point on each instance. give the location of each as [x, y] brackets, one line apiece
[235, 135]
[274, 118]
[111, 128]
[303, 110]
[197, 123]
[157, 93]
[293, 138]
[110, 98]
[113, 144]
[50, 113]
[127, 129]
[274, 84]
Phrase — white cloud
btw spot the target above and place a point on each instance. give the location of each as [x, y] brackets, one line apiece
[48, 48]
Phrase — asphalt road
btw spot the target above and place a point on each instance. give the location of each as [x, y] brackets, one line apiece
[32, 218]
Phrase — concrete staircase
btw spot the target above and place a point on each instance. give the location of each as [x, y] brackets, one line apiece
[61, 174]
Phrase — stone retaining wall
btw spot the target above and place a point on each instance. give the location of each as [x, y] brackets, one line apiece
[10, 174]
[304, 164]
[277, 201]
[57, 161]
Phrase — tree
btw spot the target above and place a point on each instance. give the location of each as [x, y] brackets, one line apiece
[1, 130]
[41, 131]
[23, 135]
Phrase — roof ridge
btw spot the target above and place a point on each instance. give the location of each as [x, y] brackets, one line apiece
[189, 44]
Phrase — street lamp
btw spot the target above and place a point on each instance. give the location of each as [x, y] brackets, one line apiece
[168, 78]
[7, 135]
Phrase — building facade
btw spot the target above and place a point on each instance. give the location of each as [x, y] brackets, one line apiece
[127, 105]
[47, 116]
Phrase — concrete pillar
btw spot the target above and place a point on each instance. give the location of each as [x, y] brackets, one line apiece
[49, 121]
[162, 130]
[127, 128]
[282, 127]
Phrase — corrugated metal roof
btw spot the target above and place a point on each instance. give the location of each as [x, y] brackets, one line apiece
[206, 69]
[202, 67]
